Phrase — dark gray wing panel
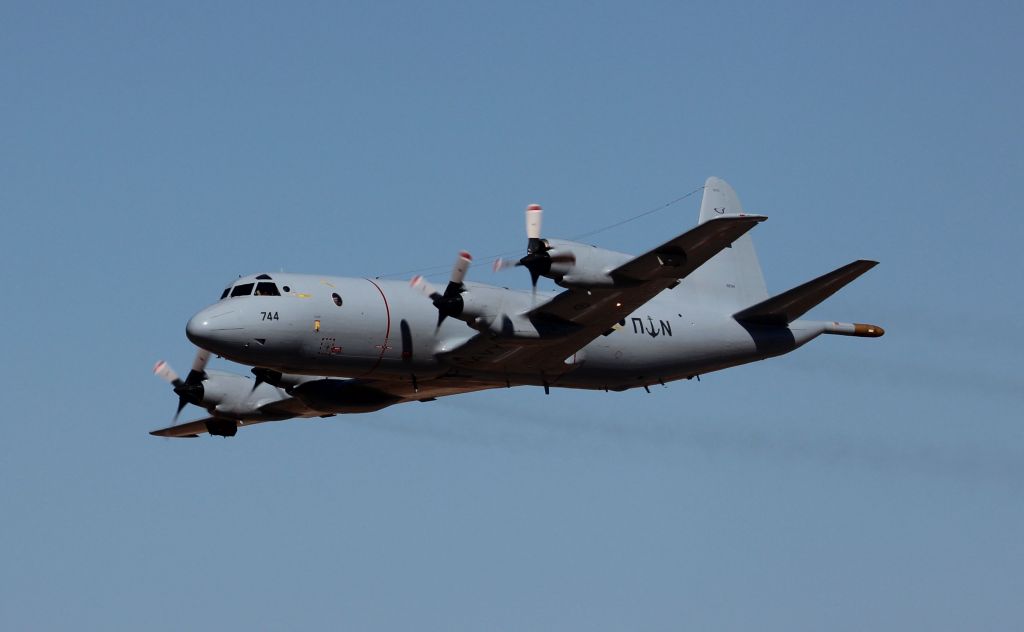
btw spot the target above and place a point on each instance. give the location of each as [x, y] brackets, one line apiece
[189, 429]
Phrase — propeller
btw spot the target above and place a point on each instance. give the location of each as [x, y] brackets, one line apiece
[189, 390]
[268, 376]
[448, 303]
[537, 260]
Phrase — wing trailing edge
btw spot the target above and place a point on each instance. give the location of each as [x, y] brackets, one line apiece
[784, 308]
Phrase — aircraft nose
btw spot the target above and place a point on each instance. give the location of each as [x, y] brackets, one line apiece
[212, 327]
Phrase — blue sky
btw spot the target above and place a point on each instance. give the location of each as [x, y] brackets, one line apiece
[152, 152]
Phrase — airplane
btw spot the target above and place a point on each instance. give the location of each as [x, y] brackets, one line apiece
[320, 346]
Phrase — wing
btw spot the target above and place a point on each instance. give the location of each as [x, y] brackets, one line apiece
[335, 396]
[578, 315]
[199, 426]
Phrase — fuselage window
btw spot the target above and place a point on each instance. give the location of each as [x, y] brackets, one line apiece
[244, 289]
[224, 294]
[266, 289]
[336, 299]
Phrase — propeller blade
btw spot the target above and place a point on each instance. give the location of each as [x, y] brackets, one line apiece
[536, 260]
[534, 277]
[189, 390]
[182, 402]
[423, 286]
[448, 303]
[503, 264]
[200, 361]
[462, 263]
[533, 219]
[265, 376]
[166, 373]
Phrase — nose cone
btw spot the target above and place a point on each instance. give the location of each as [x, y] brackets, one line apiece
[214, 328]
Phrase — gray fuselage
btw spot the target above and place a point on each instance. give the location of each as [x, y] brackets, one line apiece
[384, 330]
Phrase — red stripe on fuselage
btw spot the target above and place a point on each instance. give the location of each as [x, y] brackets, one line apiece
[387, 331]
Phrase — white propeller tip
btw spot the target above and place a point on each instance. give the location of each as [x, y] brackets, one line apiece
[533, 215]
[461, 266]
[164, 371]
[421, 285]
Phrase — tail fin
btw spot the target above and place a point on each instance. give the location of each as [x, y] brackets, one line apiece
[732, 279]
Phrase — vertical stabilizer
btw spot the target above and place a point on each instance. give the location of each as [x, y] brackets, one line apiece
[731, 279]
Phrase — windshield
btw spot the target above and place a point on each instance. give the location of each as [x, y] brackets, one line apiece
[244, 289]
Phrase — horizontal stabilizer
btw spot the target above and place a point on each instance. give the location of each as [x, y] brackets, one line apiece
[792, 304]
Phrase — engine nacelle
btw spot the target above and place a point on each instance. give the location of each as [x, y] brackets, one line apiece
[233, 395]
[580, 265]
[481, 304]
[501, 314]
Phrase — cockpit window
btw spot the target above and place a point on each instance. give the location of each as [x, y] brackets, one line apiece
[265, 288]
[264, 277]
[244, 289]
[224, 294]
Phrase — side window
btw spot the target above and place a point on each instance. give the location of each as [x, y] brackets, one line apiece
[245, 289]
[265, 288]
[336, 298]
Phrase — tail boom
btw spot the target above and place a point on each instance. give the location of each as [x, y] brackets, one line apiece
[860, 330]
